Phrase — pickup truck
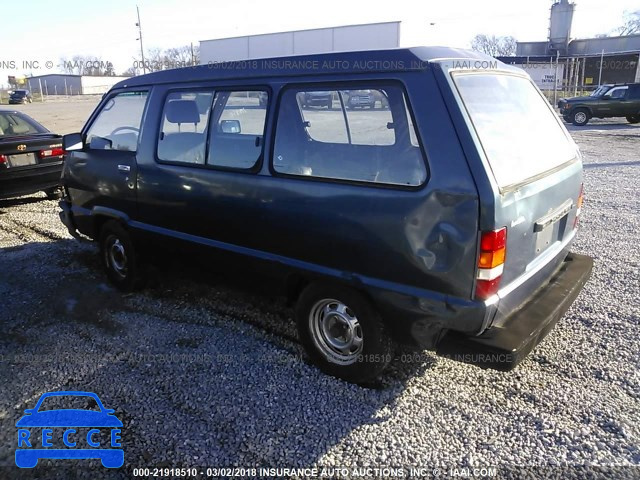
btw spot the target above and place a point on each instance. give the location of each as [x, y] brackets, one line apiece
[622, 100]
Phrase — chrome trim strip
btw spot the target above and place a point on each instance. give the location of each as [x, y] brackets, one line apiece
[548, 219]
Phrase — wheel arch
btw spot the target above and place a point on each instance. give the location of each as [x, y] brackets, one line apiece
[582, 107]
[296, 282]
[102, 215]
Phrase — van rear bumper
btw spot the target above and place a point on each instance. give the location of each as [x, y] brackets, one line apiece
[503, 347]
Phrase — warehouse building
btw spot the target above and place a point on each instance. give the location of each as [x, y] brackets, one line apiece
[371, 36]
[67, 84]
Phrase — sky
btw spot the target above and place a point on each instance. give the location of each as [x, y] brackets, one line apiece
[107, 29]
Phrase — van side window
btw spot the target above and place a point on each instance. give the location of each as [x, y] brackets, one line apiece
[183, 136]
[360, 134]
[236, 136]
[117, 125]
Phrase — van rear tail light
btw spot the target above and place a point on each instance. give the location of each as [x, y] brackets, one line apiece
[53, 152]
[493, 251]
[579, 206]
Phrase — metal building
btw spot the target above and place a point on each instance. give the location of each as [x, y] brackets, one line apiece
[67, 84]
[370, 36]
[583, 63]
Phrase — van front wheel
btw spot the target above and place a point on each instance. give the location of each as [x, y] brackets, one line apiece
[119, 257]
[342, 333]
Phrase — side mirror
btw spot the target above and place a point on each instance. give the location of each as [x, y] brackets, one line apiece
[230, 126]
[100, 143]
[72, 142]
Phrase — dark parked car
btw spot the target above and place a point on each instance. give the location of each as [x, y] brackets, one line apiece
[19, 97]
[442, 221]
[361, 99]
[317, 99]
[605, 102]
[30, 156]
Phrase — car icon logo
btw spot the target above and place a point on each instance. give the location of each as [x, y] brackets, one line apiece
[69, 433]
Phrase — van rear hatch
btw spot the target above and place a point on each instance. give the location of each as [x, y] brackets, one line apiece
[534, 172]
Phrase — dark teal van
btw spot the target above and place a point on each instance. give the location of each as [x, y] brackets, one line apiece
[439, 212]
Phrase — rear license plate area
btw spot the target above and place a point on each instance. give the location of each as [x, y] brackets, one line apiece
[22, 160]
[551, 228]
[552, 233]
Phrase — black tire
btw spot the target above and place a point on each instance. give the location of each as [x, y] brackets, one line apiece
[633, 119]
[567, 118]
[580, 117]
[54, 193]
[375, 349]
[119, 257]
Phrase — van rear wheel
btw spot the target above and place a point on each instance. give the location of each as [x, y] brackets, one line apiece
[119, 257]
[342, 333]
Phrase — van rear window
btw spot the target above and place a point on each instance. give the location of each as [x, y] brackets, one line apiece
[520, 134]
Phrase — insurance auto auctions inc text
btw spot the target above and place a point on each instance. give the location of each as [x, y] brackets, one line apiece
[356, 472]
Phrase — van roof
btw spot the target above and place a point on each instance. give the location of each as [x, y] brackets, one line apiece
[388, 60]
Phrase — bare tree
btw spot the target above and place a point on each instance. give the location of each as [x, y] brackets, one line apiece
[87, 65]
[494, 46]
[73, 66]
[183, 56]
[631, 25]
[156, 59]
[132, 71]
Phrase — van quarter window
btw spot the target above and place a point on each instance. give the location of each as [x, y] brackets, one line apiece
[360, 134]
[238, 129]
[185, 121]
[118, 124]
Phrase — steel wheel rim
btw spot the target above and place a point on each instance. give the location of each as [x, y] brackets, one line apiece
[580, 117]
[336, 331]
[116, 256]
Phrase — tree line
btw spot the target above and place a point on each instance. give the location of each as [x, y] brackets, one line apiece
[154, 59]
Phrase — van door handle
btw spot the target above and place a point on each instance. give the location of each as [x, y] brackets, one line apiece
[124, 168]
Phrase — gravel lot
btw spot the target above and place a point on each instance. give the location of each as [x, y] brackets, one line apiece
[207, 370]
[60, 114]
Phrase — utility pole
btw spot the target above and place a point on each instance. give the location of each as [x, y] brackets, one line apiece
[144, 67]
[600, 72]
